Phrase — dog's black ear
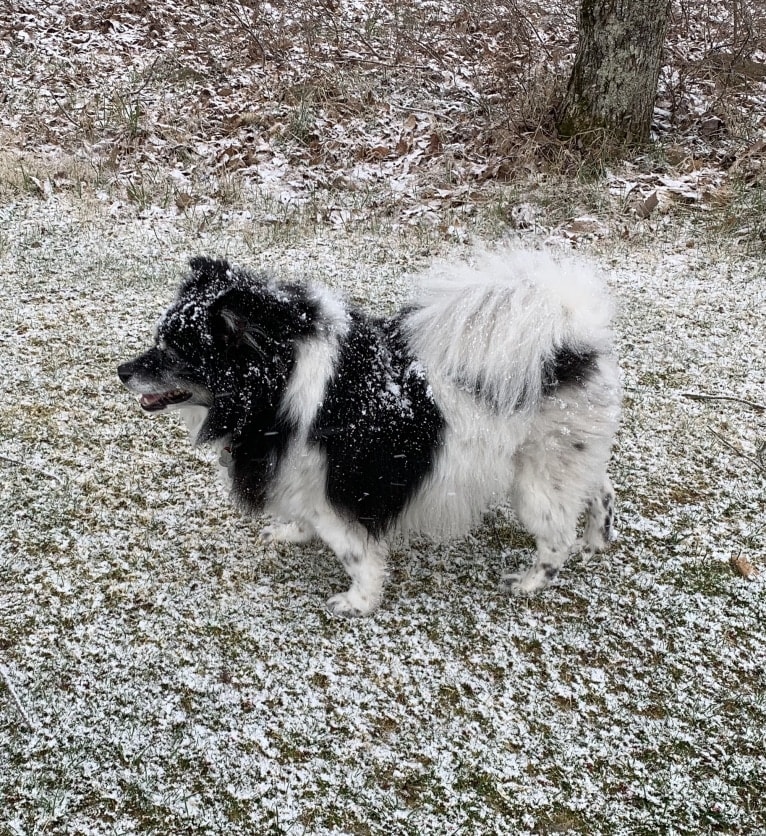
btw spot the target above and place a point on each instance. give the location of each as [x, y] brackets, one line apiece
[230, 316]
[261, 315]
[206, 269]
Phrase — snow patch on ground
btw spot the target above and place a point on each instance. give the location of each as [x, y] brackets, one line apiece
[182, 677]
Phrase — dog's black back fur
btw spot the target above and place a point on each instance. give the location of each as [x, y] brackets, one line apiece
[378, 424]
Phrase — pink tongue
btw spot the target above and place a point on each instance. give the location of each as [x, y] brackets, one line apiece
[148, 401]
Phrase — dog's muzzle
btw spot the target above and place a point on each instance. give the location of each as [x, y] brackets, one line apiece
[151, 401]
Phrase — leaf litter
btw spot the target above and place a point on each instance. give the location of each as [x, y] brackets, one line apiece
[414, 107]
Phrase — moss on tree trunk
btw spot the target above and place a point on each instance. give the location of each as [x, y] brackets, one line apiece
[614, 79]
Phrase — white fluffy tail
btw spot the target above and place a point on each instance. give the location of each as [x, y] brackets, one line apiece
[492, 328]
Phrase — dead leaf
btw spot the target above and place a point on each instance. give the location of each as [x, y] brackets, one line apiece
[712, 126]
[402, 147]
[184, 200]
[434, 144]
[379, 152]
[584, 226]
[646, 206]
[743, 567]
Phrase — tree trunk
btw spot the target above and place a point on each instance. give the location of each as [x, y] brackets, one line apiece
[614, 79]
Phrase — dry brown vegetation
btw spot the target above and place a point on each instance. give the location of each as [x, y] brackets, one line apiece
[400, 108]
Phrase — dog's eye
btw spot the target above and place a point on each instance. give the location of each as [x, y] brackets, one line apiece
[168, 351]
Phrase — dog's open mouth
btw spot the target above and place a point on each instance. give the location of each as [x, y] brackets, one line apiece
[162, 400]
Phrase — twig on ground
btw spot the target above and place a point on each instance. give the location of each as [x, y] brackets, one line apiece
[701, 396]
[389, 65]
[238, 15]
[15, 697]
[29, 466]
[738, 450]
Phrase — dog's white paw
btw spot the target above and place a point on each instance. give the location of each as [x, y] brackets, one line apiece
[350, 605]
[290, 532]
[268, 534]
[525, 583]
[582, 548]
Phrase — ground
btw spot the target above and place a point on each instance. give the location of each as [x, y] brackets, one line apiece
[162, 671]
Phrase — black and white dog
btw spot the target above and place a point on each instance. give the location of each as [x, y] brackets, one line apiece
[498, 383]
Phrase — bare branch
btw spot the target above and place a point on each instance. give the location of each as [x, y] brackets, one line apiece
[738, 450]
[15, 697]
[700, 396]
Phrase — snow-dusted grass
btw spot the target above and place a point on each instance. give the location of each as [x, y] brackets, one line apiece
[163, 673]
[182, 678]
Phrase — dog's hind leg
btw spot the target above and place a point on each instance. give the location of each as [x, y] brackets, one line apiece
[364, 558]
[550, 512]
[599, 521]
[552, 520]
[560, 472]
[557, 474]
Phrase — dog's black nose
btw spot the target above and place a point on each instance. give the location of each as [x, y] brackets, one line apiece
[125, 371]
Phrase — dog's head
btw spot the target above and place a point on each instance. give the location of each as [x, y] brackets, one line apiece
[226, 343]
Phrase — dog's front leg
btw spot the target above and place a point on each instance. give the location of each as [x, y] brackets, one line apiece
[364, 558]
[367, 569]
[286, 532]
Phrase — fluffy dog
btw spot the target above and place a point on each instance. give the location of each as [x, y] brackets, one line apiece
[498, 383]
